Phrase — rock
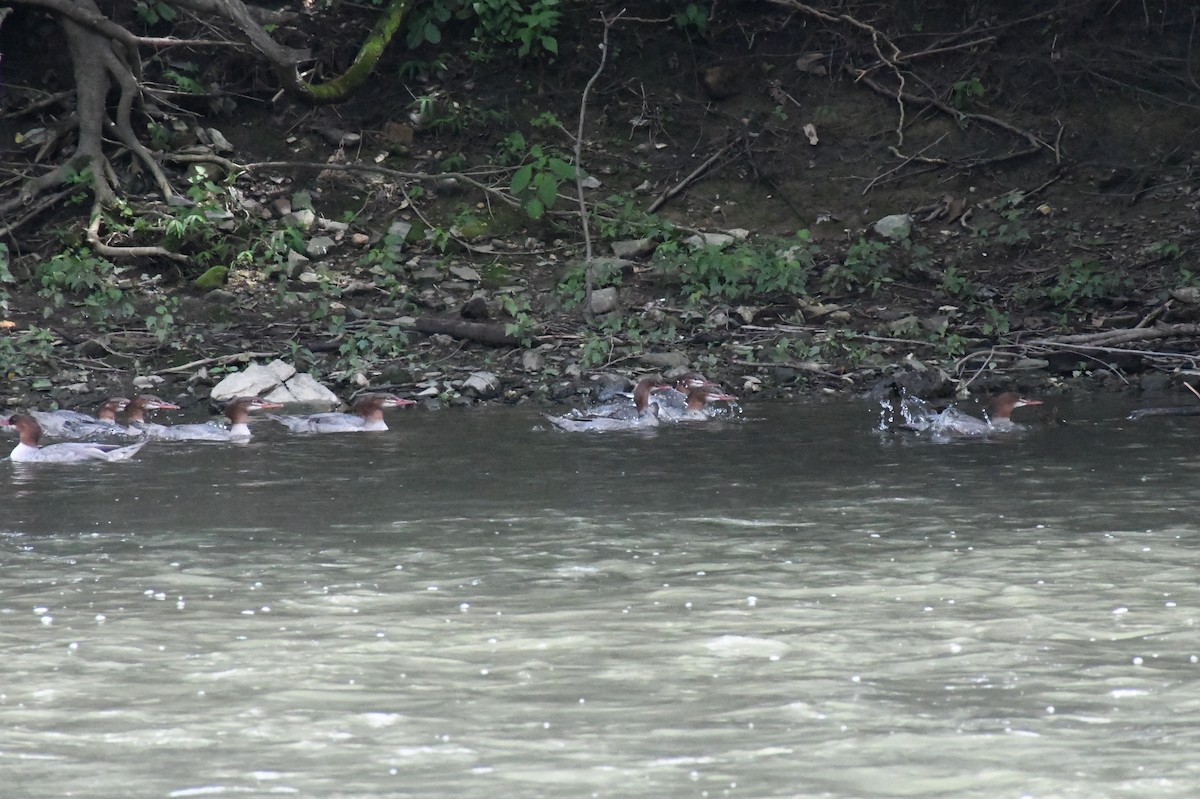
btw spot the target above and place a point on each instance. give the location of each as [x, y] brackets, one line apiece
[483, 385]
[1189, 295]
[295, 263]
[1154, 382]
[213, 278]
[251, 381]
[318, 246]
[304, 388]
[220, 144]
[281, 370]
[475, 309]
[590, 182]
[605, 300]
[610, 384]
[533, 361]
[303, 219]
[719, 240]
[896, 226]
[665, 360]
[148, 381]
[634, 248]
[465, 273]
[1030, 364]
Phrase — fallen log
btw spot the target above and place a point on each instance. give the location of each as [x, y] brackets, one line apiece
[483, 332]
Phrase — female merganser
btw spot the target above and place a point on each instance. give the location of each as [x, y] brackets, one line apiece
[238, 412]
[73, 424]
[673, 399]
[135, 414]
[366, 415]
[953, 422]
[643, 414]
[698, 398]
[29, 450]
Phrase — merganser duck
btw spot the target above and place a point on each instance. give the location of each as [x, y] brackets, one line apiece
[135, 414]
[623, 406]
[698, 398]
[30, 451]
[643, 414]
[955, 423]
[366, 415]
[673, 399]
[74, 424]
[236, 410]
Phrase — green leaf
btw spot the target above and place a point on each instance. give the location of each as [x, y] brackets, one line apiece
[550, 44]
[521, 179]
[432, 34]
[561, 168]
[535, 209]
[547, 188]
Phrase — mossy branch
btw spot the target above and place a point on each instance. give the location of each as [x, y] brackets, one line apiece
[344, 85]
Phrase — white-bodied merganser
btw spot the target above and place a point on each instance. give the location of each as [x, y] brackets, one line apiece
[135, 414]
[30, 451]
[236, 410]
[625, 405]
[672, 399]
[642, 414]
[366, 415]
[698, 398]
[74, 424]
[954, 423]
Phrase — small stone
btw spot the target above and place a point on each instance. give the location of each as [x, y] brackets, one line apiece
[533, 361]
[665, 360]
[318, 246]
[698, 240]
[634, 248]
[302, 219]
[465, 273]
[214, 277]
[896, 226]
[148, 381]
[605, 300]
[483, 385]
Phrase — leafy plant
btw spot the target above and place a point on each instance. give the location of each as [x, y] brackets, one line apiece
[573, 284]
[1081, 280]
[964, 93]
[536, 182]
[523, 323]
[27, 353]
[694, 16]
[769, 266]
[152, 12]
[1012, 231]
[529, 26]
[863, 268]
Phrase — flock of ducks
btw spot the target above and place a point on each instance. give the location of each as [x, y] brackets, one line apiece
[121, 418]
[652, 402]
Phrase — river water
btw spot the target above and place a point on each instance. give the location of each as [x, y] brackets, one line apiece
[472, 605]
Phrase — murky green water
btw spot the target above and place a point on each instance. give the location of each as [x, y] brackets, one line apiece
[471, 605]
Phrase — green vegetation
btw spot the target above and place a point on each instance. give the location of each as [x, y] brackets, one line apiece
[766, 266]
[864, 267]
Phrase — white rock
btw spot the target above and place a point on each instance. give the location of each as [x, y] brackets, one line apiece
[484, 385]
[896, 226]
[306, 388]
[148, 381]
[282, 370]
[251, 381]
[605, 300]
